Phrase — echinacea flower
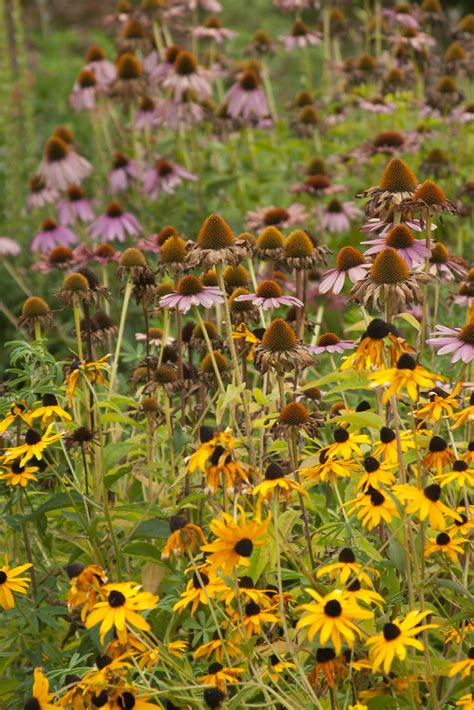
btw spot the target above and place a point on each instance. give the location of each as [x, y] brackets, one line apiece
[394, 639]
[413, 251]
[283, 218]
[270, 295]
[447, 545]
[349, 262]
[40, 697]
[300, 36]
[84, 91]
[62, 166]
[332, 617]
[75, 206]
[336, 216]
[39, 193]
[104, 70]
[426, 503]
[186, 75]
[212, 28]
[33, 446]
[281, 349]
[164, 176]
[397, 183]
[190, 291]
[235, 541]
[459, 342]
[407, 374]
[52, 234]
[123, 601]
[331, 343]
[115, 224]
[123, 173]
[246, 98]
[35, 311]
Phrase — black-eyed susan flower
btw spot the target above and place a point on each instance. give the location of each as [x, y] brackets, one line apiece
[464, 523]
[387, 446]
[34, 445]
[225, 469]
[465, 415]
[346, 444]
[220, 675]
[210, 440]
[93, 371]
[439, 455]
[328, 668]
[183, 537]
[379, 341]
[376, 474]
[85, 586]
[11, 583]
[406, 375]
[247, 591]
[394, 639]
[253, 617]
[17, 475]
[40, 695]
[277, 666]
[367, 596]
[18, 413]
[441, 404]
[119, 609]
[425, 502]
[332, 617]
[447, 545]
[203, 586]
[346, 567]
[235, 541]
[464, 667]
[50, 410]
[460, 474]
[373, 507]
[219, 646]
[130, 698]
[214, 697]
[329, 469]
[276, 481]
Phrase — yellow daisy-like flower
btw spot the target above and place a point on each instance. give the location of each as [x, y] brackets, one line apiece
[86, 584]
[93, 371]
[277, 667]
[332, 617]
[247, 592]
[461, 474]
[10, 582]
[220, 675]
[218, 648]
[235, 542]
[253, 617]
[407, 375]
[209, 443]
[120, 608]
[50, 410]
[200, 589]
[183, 537]
[243, 333]
[358, 706]
[329, 469]
[33, 446]
[17, 412]
[465, 415]
[426, 503]
[441, 404]
[276, 481]
[466, 702]
[464, 667]
[439, 455]
[355, 592]
[41, 697]
[376, 474]
[346, 567]
[373, 506]
[378, 341]
[394, 639]
[224, 466]
[328, 668]
[346, 444]
[17, 475]
[464, 524]
[446, 544]
[387, 446]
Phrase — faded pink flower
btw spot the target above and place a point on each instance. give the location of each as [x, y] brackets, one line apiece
[456, 341]
[115, 224]
[190, 291]
[39, 194]
[293, 216]
[164, 176]
[246, 98]
[337, 216]
[62, 166]
[8, 247]
[123, 172]
[84, 91]
[52, 234]
[75, 206]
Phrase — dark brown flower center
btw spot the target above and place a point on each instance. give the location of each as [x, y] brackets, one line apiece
[391, 632]
[249, 81]
[400, 237]
[429, 193]
[389, 267]
[116, 599]
[185, 64]
[333, 609]
[299, 29]
[389, 139]
[347, 556]
[244, 547]
[274, 216]
[328, 339]
[129, 67]
[119, 160]
[467, 334]
[325, 655]
[56, 149]
[348, 258]
[294, 414]
[432, 492]
[269, 289]
[86, 79]
[114, 210]
[163, 167]
[279, 337]
[32, 437]
[189, 286]
[443, 539]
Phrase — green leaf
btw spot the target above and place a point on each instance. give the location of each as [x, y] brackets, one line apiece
[396, 554]
[144, 551]
[60, 501]
[154, 528]
[361, 419]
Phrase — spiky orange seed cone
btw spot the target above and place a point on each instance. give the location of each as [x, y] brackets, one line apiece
[389, 267]
[215, 233]
[279, 337]
[397, 177]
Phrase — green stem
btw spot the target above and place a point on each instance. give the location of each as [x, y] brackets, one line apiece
[123, 316]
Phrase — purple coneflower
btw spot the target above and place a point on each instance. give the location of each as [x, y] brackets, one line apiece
[318, 186]
[162, 69]
[61, 165]
[269, 294]
[8, 247]
[293, 5]
[115, 224]
[458, 341]
[300, 36]
[246, 98]
[413, 251]
[212, 29]
[401, 14]
[349, 262]
[190, 291]
[39, 194]
[331, 343]
[293, 216]
[207, 5]
[337, 215]
[145, 115]
[105, 253]
[123, 172]
[173, 114]
[411, 37]
[375, 224]
[75, 206]
[164, 176]
[444, 265]
[84, 91]
[104, 70]
[186, 75]
[52, 234]
[377, 105]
